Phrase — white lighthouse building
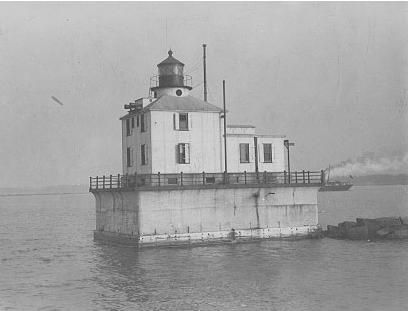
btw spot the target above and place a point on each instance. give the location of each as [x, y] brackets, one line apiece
[173, 132]
[175, 187]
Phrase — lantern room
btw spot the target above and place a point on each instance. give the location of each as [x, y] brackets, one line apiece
[171, 79]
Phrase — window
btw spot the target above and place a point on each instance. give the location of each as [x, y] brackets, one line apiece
[183, 121]
[172, 180]
[244, 153]
[133, 123]
[128, 132]
[143, 154]
[142, 123]
[129, 157]
[183, 153]
[267, 148]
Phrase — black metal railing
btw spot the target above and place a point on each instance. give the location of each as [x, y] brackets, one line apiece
[187, 81]
[204, 179]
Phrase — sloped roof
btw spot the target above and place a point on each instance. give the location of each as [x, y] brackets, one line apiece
[170, 60]
[183, 103]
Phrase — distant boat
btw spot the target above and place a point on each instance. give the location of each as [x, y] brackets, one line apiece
[335, 185]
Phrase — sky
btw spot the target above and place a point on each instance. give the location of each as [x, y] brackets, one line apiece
[330, 76]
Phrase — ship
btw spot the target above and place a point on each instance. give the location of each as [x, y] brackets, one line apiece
[335, 185]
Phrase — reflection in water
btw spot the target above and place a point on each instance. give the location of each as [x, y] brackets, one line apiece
[235, 275]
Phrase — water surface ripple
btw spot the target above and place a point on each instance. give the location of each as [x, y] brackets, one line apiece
[48, 261]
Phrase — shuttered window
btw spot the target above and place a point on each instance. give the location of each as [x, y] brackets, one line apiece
[142, 123]
[128, 132]
[129, 157]
[183, 152]
[143, 154]
[183, 121]
[267, 152]
[244, 153]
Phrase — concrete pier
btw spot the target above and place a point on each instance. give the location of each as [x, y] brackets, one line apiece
[155, 217]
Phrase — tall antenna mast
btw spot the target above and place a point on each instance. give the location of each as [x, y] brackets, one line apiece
[225, 128]
[205, 72]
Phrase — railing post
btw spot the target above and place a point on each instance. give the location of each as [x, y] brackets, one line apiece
[181, 178]
[308, 177]
[158, 176]
[296, 177]
[110, 181]
[265, 181]
[97, 182]
[103, 184]
[322, 176]
[284, 177]
[203, 178]
[245, 177]
[127, 181]
[304, 181]
[118, 181]
[136, 184]
[90, 183]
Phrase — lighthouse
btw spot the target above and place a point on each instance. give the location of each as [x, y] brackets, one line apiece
[174, 188]
[174, 132]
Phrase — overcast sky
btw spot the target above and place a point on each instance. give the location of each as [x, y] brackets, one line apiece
[331, 76]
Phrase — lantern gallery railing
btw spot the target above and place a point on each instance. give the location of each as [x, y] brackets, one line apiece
[158, 180]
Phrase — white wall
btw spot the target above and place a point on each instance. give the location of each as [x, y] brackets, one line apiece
[203, 136]
[206, 145]
[134, 141]
[233, 153]
[278, 158]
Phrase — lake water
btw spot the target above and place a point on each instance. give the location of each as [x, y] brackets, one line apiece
[49, 261]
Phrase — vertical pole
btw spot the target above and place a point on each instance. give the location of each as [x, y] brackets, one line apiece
[304, 176]
[90, 183]
[97, 182]
[203, 178]
[288, 163]
[158, 176]
[103, 184]
[225, 128]
[256, 154]
[118, 181]
[181, 178]
[110, 181]
[245, 177]
[205, 72]
[308, 177]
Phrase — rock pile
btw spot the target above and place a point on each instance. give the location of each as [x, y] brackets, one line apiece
[370, 229]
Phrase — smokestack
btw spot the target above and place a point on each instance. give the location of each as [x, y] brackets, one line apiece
[205, 72]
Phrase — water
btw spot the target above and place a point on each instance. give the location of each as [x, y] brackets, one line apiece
[50, 262]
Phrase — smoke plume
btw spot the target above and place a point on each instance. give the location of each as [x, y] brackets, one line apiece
[369, 164]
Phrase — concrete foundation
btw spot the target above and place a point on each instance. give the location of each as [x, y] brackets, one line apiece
[205, 215]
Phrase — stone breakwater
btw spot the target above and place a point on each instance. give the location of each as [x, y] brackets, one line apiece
[385, 228]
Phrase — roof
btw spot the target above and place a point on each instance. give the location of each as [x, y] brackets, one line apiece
[183, 103]
[170, 60]
[240, 126]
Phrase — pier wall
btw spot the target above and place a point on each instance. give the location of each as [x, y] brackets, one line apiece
[189, 213]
